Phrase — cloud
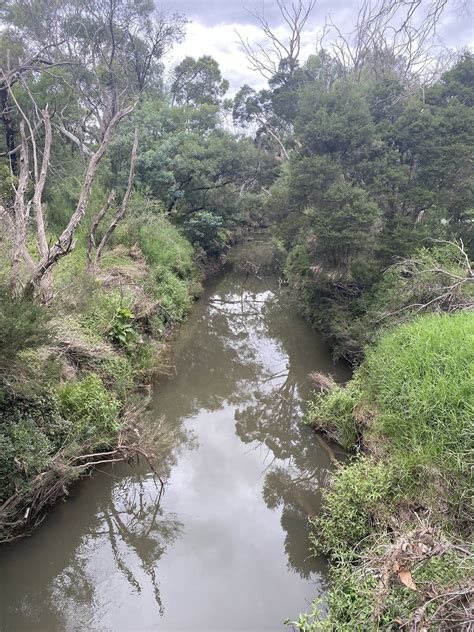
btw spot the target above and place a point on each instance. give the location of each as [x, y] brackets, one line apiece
[222, 43]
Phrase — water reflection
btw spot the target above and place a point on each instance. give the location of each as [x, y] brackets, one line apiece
[243, 477]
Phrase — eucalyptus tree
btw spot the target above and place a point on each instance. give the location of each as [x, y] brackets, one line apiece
[109, 52]
[197, 82]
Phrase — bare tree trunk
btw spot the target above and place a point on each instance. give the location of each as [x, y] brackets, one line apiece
[65, 242]
[39, 186]
[123, 206]
[99, 217]
[21, 210]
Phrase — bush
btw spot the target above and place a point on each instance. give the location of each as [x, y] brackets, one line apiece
[23, 325]
[24, 452]
[361, 495]
[334, 413]
[206, 230]
[31, 429]
[92, 411]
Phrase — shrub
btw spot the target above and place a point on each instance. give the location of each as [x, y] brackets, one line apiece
[92, 410]
[24, 452]
[360, 495]
[23, 325]
[334, 413]
[206, 230]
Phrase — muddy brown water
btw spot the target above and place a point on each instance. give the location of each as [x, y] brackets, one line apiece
[226, 548]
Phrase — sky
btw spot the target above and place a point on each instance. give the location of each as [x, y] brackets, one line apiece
[213, 27]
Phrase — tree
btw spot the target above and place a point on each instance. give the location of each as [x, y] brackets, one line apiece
[391, 34]
[279, 52]
[197, 82]
[111, 50]
[93, 263]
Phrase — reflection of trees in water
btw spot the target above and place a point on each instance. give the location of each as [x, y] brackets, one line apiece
[135, 522]
[133, 519]
[217, 351]
[298, 494]
[238, 350]
[299, 467]
[129, 519]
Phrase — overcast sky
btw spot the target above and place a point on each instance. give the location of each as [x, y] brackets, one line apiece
[213, 25]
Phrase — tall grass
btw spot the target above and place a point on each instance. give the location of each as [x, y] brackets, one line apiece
[420, 380]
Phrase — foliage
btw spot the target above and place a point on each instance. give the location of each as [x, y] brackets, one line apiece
[360, 495]
[23, 325]
[25, 452]
[205, 230]
[31, 429]
[122, 331]
[198, 82]
[92, 410]
[98, 316]
[338, 405]
[378, 175]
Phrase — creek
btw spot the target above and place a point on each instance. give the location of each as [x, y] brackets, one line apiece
[226, 546]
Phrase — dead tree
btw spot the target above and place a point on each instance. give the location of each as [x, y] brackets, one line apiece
[92, 263]
[388, 34]
[267, 58]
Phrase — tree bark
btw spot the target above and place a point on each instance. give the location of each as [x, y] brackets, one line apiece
[21, 209]
[39, 186]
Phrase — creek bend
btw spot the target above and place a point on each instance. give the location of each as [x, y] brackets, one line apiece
[226, 546]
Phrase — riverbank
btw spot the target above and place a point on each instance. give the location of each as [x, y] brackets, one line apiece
[75, 374]
[396, 523]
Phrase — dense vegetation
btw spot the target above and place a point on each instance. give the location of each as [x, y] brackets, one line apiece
[395, 517]
[372, 211]
[121, 183]
[379, 174]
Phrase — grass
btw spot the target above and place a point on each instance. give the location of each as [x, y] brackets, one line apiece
[420, 379]
[411, 407]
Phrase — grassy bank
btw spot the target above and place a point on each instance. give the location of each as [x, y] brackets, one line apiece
[71, 372]
[397, 516]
